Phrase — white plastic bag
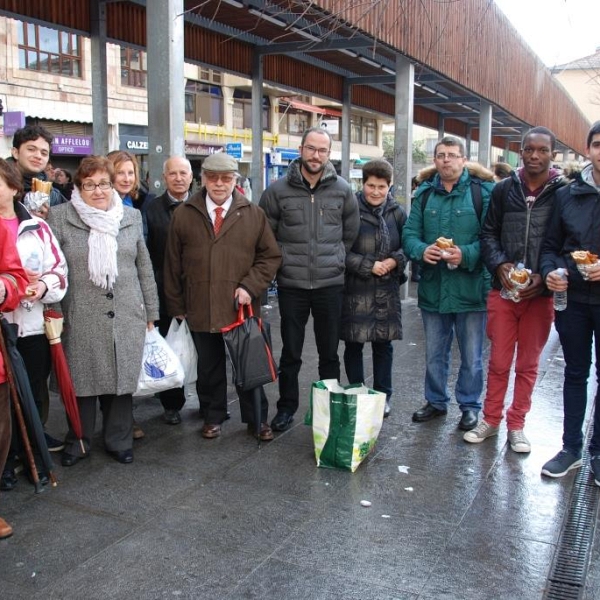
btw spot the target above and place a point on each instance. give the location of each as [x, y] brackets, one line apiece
[161, 369]
[181, 342]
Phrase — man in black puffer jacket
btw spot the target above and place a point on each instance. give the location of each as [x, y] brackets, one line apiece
[575, 225]
[511, 236]
[314, 215]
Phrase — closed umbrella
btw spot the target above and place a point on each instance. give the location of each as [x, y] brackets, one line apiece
[24, 406]
[53, 326]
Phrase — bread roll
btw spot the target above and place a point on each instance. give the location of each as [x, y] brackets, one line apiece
[584, 257]
[444, 243]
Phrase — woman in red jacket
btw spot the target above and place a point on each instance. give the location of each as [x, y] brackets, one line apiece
[13, 283]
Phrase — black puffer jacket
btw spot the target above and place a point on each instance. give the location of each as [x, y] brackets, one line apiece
[574, 225]
[371, 306]
[513, 231]
[314, 229]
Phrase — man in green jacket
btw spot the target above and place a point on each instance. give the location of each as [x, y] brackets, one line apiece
[454, 283]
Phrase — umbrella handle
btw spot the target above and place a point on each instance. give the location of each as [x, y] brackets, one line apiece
[19, 416]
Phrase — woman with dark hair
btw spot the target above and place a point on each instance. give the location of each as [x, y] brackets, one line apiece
[374, 272]
[63, 181]
[110, 303]
[46, 269]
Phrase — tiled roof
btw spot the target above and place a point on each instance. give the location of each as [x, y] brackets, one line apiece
[587, 62]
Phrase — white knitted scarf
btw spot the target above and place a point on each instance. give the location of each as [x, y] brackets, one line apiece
[102, 241]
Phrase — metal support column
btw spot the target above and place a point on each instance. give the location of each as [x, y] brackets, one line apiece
[346, 122]
[485, 134]
[166, 84]
[99, 76]
[257, 169]
[468, 141]
[441, 126]
[403, 130]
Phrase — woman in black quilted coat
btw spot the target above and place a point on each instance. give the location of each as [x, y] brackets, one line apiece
[374, 272]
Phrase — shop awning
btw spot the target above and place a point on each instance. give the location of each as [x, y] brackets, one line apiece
[320, 110]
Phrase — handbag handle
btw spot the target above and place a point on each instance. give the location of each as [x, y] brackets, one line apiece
[240, 311]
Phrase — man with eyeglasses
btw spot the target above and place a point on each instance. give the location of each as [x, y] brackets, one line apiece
[451, 203]
[220, 250]
[177, 175]
[511, 238]
[315, 217]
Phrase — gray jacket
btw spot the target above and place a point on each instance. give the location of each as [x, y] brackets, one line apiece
[314, 228]
[105, 329]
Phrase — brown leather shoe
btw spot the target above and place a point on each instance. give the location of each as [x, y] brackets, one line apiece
[5, 529]
[266, 433]
[210, 431]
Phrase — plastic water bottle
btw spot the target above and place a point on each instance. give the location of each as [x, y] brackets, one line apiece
[560, 298]
[33, 262]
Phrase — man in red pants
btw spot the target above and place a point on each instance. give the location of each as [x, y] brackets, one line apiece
[513, 233]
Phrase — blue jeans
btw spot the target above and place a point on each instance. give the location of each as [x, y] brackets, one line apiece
[383, 356]
[439, 333]
[577, 327]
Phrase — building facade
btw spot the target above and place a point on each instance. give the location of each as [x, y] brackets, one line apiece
[46, 79]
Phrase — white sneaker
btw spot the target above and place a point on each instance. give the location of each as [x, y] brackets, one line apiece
[518, 442]
[481, 432]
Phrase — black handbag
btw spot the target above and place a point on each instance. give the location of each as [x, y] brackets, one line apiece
[248, 343]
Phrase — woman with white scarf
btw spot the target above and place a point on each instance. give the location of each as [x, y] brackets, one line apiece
[110, 303]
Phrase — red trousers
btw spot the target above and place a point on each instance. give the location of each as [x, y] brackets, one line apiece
[526, 326]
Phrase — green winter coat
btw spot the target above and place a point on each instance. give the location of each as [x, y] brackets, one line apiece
[451, 215]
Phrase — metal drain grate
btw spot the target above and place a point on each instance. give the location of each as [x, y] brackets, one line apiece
[571, 560]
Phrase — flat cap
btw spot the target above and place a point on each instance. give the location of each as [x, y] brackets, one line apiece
[220, 163]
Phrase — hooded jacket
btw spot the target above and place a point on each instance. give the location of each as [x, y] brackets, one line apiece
[574, 225]
[514, 230]
[452, 215]
[314, 228]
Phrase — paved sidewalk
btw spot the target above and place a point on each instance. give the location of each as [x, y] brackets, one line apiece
[219, 519]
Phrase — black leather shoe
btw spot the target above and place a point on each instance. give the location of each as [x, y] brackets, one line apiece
[70, 460]
[8, 481]
[123, 456]
[282, 421]
[42, 476]
[172, 417]
[387, 410]
[468, 420]
[427, 413]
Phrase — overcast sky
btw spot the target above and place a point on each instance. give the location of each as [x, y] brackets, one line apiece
[558, 31]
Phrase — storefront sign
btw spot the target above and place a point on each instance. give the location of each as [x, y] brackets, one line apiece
[80, 145]
[13, 121]
[234, 149]
[201, 149]
[136, 144]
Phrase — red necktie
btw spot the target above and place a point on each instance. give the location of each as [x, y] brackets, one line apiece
[218, 220]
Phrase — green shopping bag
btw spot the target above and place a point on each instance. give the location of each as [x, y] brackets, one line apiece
[346, 422]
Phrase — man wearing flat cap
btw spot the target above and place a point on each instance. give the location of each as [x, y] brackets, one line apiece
[220, 249]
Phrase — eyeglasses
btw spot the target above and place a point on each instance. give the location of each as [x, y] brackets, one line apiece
[90, 186]
[449, 156]
[214, 177]
[319, 151]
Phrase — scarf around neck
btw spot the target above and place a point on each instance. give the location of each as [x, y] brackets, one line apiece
[102, 241]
